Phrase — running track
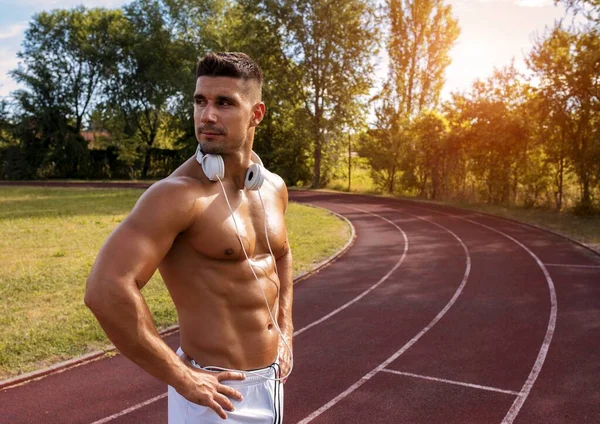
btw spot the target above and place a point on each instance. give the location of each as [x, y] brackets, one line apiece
[434, 315]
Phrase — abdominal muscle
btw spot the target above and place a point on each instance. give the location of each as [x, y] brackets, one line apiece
[223, 318]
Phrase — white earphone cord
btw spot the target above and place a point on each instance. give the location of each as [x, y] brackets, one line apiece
[261, 289]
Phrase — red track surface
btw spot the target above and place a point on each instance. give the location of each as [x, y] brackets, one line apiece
[469, 319]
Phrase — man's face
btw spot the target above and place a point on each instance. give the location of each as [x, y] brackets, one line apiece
[226, 110]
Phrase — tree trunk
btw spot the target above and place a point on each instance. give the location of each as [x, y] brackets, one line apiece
[586, 198]
[317, 165]
[316, 183]
[146, 167]
[560, 185]
[392, 178]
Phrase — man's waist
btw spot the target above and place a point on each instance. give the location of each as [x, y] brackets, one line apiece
[253, 375]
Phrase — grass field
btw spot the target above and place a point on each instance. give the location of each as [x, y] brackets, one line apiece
[48, 241]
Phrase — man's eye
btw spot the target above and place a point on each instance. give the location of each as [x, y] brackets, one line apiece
[200, 102]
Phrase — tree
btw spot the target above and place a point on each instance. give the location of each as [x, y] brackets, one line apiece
[567, 65]
[332, 43]
[150, 69]
[494, 134]
[590, 9]
[421, 34]
[430, 131]
[281, 138]
[66, 55]
[385, 148]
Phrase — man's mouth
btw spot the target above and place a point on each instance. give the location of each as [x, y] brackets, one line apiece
[211, 131]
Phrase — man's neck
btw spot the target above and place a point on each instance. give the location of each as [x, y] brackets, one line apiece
[236, 166]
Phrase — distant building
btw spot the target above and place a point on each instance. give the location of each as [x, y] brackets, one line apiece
[96, 139]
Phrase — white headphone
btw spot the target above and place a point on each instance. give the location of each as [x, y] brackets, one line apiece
[214, 169]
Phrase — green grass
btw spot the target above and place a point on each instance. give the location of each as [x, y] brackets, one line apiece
[49, 239]
[361, 182]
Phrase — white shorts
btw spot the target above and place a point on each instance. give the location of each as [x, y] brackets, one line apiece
[262, 404]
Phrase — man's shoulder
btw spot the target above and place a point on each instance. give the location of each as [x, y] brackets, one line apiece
[174, 187]
[279, 187]
[276, 181]
[178, 193]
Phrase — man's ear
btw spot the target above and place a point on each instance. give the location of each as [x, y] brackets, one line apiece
[258, 113]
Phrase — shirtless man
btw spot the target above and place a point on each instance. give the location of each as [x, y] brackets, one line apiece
[183, 226]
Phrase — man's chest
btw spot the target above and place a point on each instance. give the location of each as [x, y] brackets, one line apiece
[216, 232]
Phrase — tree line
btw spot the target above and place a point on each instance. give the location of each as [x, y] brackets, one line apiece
[108, 94]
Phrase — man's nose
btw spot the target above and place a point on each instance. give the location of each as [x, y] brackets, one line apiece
[209, 114]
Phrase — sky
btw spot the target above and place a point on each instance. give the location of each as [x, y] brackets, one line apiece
[493, 32]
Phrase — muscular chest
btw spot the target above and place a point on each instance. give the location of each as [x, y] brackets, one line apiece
[215, 231]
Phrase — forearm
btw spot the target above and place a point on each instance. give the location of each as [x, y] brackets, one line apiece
[286, 294]
[124, 315]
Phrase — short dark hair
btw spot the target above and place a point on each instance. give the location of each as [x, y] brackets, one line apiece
[229, 64]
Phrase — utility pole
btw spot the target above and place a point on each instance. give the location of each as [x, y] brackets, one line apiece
[349, 163]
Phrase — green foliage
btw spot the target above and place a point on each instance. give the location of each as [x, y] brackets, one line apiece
[332, 43]
[128, 76]
[494, 134]
[386, 149]
[152, 66]
[66, 55]
[422, 32]
[429, 154]
[281, 139]
[568, 64]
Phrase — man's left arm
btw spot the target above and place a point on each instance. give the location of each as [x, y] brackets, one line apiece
[284, 319]
[286, 294]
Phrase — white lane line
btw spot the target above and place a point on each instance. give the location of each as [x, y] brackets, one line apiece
[541, 358]
[574, 266]
[128, 410]
[458, 383]
[404, 348]
[356, 299]
[370, 289]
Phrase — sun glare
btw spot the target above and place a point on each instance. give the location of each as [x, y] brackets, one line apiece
[471, 59]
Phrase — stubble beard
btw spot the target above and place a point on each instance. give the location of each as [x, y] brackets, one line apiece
[222, 147]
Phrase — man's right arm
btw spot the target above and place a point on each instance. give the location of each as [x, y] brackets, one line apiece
[126, 262]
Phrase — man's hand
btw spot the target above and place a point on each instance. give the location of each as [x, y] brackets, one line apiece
[205, 388]
[285, 359]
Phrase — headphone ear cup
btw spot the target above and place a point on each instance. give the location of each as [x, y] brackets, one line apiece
[213, 167]
[255, 177]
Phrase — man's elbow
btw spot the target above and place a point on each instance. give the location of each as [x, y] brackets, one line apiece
[91, 297]
[95, 295]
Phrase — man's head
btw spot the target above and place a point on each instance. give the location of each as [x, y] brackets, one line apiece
[233, 65]
[227, 101]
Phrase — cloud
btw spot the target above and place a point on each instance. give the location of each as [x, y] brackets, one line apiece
[13, 30]
[8, 62]
[534, 3]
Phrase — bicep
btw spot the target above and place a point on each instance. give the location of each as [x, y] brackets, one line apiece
[132, 253]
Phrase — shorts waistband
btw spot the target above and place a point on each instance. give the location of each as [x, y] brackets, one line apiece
[253, 377]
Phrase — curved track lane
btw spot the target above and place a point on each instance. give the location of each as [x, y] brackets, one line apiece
[434, 315]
